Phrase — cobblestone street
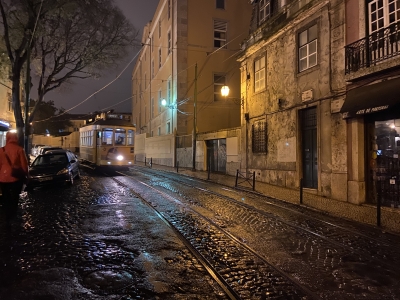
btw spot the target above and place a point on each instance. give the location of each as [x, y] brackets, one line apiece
[99, 239]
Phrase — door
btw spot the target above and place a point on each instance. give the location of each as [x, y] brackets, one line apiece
[309, 148]
[216, 155]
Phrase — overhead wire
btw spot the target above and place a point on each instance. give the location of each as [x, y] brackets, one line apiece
[96, 92]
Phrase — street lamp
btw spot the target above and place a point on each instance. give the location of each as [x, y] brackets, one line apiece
[225, 93]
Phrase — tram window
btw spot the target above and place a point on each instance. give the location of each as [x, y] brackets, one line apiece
[106, 137]
[120, 138]
[130, 137]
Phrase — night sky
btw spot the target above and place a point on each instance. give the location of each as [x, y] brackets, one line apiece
[138, 12]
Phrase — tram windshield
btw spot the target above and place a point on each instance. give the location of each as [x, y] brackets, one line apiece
[120, 136]
[107, 136]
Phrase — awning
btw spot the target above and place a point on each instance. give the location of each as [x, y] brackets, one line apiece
[371, 98]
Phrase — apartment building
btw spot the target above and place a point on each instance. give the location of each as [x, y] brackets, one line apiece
[188, 53]
[371, 108]
[293, 86]
[7, 120]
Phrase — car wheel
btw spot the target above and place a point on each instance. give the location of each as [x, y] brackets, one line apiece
[71, 178]
[78, 174]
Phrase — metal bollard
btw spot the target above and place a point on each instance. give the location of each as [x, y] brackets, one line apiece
[177, 167]
[151, 162]
[209, 169]
[254, 180]
[237, 175]
[301, 190]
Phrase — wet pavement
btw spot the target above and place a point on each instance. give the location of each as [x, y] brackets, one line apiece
[95, 241]
[98, 240]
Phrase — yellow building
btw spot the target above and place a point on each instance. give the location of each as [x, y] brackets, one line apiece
[189, 52]
[7, 119]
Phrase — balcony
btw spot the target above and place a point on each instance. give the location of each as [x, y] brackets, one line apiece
[373, 53]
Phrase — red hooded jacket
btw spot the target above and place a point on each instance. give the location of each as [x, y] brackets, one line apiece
[17, 157]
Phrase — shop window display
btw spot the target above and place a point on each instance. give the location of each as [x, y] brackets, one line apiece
[384, 162]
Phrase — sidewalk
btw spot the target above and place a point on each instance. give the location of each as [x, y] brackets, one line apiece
[390, 217]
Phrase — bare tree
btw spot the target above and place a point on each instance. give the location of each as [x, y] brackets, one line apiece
[80, 42]
[68, 39]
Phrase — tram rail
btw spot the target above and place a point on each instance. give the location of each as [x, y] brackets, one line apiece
[259, 279]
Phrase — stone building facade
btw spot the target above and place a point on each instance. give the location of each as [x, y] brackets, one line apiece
[188, 52]
[292, 86]
[371, 108]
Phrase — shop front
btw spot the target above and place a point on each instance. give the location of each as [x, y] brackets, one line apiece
[4, 127]
[378, 105]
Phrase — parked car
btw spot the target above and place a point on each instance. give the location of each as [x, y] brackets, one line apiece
[46, 149]
[55, 166]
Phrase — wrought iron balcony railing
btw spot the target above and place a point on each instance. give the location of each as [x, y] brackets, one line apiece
[373, 49]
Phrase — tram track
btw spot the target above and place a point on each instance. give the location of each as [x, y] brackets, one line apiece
[221, 253]
[336, 264]
[336, 235]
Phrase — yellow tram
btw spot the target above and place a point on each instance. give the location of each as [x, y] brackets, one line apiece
[107, 140]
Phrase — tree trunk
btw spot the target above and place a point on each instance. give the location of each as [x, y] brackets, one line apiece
[16, 102]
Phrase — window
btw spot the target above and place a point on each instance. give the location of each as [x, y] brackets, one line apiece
[169, 42]
[159, 131]
[220, 28]
[308, 48]
[168, 129]
[259, 74]
[264, 10]
[152, 68]
[220, 4]
[159, 29]
[152, 108]
[152, 44]
[259, 137]
[383, 13]
[145, 80]
[120, 137]
[159, 101]
[9, 98]
[107, 136]
[130, 138]
[169, 91]
[87, 138]
[169, 9]
[219, 82]
[159, 59]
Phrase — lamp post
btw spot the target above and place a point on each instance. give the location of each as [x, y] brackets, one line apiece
[194, 118]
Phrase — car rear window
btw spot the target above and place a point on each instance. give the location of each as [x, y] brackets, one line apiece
[51, 159]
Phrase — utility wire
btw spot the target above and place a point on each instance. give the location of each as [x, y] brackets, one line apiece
[99, 90]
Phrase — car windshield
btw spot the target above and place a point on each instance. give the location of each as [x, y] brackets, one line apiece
[50, 159]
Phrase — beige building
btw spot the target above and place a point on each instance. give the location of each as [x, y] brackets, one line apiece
[189, 52]
[293, 85]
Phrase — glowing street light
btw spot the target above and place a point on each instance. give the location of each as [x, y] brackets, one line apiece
[225, 91]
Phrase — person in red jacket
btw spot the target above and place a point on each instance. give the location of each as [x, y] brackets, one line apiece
[11, 186]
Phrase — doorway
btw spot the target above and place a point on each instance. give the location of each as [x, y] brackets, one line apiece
[216, 155]
[309, 147]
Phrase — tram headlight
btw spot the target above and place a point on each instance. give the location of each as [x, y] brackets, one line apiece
[120, 157]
